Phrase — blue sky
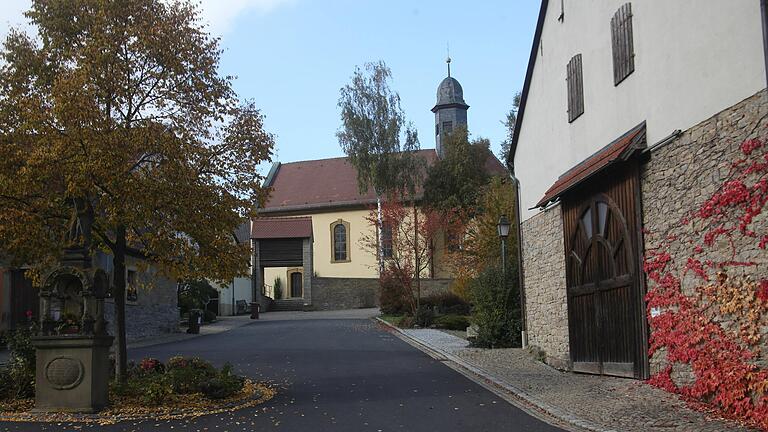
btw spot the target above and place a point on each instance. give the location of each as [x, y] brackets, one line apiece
[293, 56]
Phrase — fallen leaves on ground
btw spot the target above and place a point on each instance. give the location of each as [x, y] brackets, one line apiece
[127, 409]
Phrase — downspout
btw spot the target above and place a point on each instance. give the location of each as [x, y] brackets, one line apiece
[764, 19]
[520, 276]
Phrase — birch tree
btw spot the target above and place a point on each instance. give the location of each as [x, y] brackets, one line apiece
[376, 138]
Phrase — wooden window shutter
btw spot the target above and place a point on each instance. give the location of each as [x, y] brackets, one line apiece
[623, 48]
[575, 84]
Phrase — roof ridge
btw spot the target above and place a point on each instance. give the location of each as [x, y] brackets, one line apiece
[343, 157]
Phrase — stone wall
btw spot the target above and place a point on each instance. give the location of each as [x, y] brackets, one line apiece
[544, 281]
[344, 293]
[354, 293]
[155, 312]
[681, 175]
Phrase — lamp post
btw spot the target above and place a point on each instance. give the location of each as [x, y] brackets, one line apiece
[503, 229]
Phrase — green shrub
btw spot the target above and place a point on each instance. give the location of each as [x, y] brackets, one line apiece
[155, 390]
[424, 316]
[452, 322]
[496, 309]
[447, 303]
[278, 288]
[223, 385]
[195, 295]
[393, 292]
[186, 375]
[18, 376]
[209, 316]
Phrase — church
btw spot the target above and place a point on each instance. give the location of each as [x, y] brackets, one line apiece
[306, 242]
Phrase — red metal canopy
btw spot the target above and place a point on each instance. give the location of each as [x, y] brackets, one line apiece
[619, 150]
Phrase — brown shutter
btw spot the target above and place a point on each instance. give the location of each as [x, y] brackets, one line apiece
[575, 84]
[621, 42]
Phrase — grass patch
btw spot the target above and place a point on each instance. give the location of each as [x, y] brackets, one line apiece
[394, 320]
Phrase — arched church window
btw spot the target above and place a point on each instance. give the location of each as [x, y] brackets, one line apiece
[340, 241]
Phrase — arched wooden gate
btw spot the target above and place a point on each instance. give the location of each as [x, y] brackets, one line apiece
[603, 275]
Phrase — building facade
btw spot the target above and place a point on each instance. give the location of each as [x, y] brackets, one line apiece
[312, 240]
[630, 115]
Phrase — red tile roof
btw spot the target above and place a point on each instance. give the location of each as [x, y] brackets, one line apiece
[619, 150]
[332, 183]
[287, 227]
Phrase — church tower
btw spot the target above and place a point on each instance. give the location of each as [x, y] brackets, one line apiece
[450, 110]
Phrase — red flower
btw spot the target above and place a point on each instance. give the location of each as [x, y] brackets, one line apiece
[28, 313]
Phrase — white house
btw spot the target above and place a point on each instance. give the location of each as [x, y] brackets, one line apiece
[627, 110]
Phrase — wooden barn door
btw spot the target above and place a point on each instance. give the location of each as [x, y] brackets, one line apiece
[605, 307]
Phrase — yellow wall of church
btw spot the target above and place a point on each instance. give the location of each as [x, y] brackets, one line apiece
[362, 262]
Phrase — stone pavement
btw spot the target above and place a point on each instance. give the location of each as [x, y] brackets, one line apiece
[586, 401]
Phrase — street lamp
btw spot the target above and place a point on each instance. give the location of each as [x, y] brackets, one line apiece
[503, 229]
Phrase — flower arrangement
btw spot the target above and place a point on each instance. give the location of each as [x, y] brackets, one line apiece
[69, 323]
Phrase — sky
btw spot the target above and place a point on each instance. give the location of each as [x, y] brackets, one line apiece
[293, 56]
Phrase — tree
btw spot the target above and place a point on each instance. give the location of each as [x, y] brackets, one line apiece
[410, 239]
[119, 106]
[454, 182]
[510, 122]
[480, 248]
[375, 137]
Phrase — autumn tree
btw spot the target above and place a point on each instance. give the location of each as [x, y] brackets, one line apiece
[120, 105]
[376, 138]
[510, 123]
[480, 243]
[454, 182]
[408, 243]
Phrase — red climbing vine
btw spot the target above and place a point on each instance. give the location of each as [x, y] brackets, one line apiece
[708, 300]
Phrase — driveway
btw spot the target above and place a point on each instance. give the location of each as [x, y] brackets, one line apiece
[335, 372]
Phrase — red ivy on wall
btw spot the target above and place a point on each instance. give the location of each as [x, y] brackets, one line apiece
[714, 326]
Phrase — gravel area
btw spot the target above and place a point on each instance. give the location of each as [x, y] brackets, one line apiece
[612, 403]
[436, 338]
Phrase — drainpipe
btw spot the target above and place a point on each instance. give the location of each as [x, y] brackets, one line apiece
[520, 283]
[764, 16]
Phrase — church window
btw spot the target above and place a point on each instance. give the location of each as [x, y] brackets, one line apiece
[575, 85]
[437, 129]
[386, 239]
[340, 241]
[447, 127]
[621, 41]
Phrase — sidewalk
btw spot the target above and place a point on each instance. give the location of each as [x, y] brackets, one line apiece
[222, 324]
[587, 402]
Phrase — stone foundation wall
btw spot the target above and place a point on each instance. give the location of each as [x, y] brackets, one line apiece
[681, 175]
[344, 293]
[154, 313]
[544, 281]
[355, 293]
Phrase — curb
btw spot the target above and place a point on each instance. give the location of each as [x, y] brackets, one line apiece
[519, 394]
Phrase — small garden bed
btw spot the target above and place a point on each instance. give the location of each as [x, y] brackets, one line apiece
[181, 388]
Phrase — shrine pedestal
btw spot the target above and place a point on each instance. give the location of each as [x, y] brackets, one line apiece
[72, 373]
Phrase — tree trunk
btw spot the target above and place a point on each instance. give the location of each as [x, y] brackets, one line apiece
[380, 235]
[416, 258]
[121, 351]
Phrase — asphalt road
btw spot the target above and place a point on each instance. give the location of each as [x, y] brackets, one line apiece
[334, 375]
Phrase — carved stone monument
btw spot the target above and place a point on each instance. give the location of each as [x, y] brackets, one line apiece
[73, 368]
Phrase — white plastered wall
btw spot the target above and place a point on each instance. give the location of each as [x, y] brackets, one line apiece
[693, 59]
